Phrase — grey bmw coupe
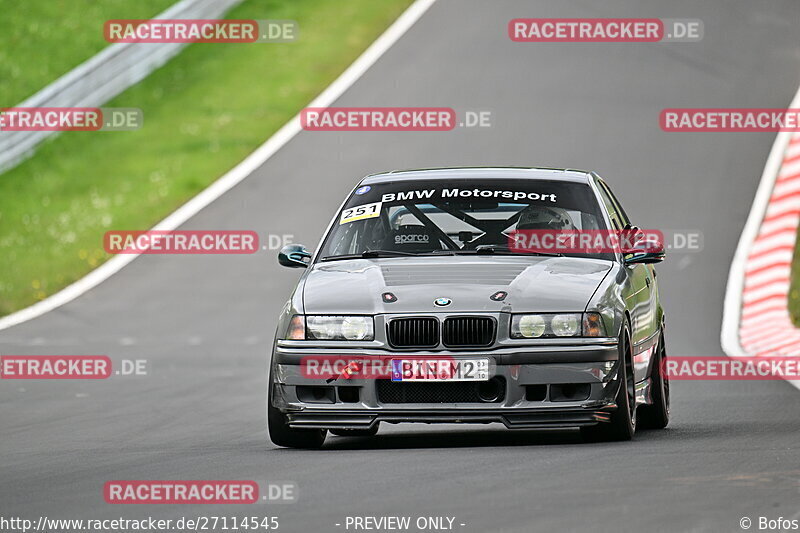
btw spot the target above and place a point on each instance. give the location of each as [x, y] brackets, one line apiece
[460, 295]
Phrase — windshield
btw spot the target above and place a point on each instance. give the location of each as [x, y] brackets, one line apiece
[458, 217]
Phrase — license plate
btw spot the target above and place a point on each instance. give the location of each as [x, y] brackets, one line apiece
[440, 369]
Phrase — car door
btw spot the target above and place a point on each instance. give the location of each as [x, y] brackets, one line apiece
[640, 298]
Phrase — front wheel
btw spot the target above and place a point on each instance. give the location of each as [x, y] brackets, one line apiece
[656, 415]
[282, 435]
[623, 421]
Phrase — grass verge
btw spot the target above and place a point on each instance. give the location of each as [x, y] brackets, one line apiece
[40, 41]
[203, 113]
[794, 285]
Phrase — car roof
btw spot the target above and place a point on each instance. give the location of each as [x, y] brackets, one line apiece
[481, 173]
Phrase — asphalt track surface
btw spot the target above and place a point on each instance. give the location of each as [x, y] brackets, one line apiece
[205, 323]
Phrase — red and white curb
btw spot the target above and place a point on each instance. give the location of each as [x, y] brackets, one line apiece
[756, 320]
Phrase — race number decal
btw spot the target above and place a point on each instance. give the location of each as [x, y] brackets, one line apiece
[360, 212]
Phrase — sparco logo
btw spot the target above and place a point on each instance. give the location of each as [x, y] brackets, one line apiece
[405, 239]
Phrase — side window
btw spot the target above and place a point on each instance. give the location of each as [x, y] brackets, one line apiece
[623, 216]
[611, 207]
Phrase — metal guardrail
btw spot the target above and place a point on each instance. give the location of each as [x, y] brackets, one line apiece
[104, 76]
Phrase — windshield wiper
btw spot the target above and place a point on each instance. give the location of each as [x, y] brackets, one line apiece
[366, 254]
[492, 249]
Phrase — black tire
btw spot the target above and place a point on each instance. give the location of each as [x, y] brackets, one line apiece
[282, 435]
[371, 432]
[623, 421]
[656, 415]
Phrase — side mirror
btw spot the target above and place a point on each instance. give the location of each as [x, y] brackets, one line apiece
[294, 256]
[631, 238]
[641, 247]
[644, 257]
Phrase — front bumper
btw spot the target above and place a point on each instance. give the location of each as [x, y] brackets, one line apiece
[543, 387]
[518, 418]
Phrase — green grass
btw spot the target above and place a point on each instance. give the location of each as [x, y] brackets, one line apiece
[42, 39]
[203, 112]
[794, 285]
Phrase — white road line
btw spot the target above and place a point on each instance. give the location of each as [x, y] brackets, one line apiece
[784, 223]
[751, 336]
[792, 169]
[759, 335]
[779, 286]
[764, 322]
[766, 276]
[784, 238]
[755, 309]
[236, 174]
[776, 208]
[794, 151]
[787, 186]
[769, 259]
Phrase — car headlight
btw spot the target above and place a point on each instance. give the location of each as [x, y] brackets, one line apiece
[530, 326]
[348, 328]
[566, 325]
[557, 325]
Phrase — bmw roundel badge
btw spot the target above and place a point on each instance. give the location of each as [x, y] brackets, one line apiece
[441, 302]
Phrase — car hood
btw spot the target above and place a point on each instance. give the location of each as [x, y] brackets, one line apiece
[533, 284]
